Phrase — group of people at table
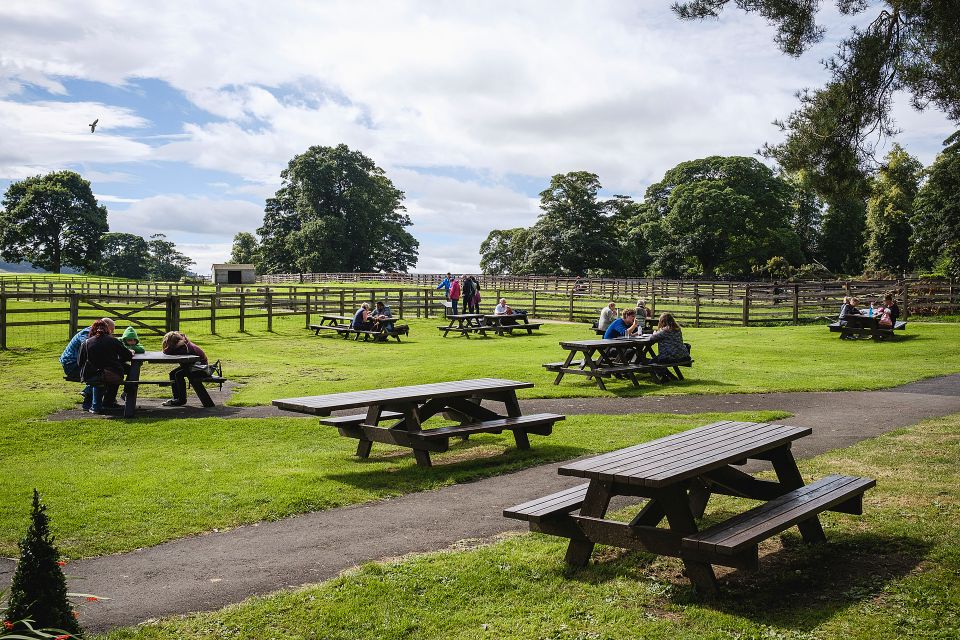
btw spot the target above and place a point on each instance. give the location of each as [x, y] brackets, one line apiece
[98, 358]
[630, 323]
[465, 288]
[886, 312]
[380, 318]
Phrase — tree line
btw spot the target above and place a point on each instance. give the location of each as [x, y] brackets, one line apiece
[736, 217]
[54, 221]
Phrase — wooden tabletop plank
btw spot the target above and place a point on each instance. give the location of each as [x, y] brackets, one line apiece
[415, 393]
[680, 456]
[603, 342]
[160, 357]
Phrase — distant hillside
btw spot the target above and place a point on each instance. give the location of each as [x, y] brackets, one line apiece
[24, 267]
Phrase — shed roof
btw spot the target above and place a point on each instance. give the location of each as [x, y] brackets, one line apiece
[228, 265]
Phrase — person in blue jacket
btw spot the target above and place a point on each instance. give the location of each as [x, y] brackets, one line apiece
[625, 326]
[68, 360]
[445, 285]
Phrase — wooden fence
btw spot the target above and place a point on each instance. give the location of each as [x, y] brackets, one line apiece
[154, 308]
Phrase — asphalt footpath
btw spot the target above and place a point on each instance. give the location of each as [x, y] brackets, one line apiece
[209, 571]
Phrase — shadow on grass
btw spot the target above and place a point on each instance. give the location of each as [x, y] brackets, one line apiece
[797, 586]
[465, 461]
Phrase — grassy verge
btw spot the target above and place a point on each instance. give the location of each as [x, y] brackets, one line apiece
[894, 572]
[115, 486]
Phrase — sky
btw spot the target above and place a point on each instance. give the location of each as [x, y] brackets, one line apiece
[469, 107]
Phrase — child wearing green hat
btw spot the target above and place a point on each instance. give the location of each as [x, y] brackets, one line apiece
[131, 340]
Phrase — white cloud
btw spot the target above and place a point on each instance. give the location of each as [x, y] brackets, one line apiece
[179, 216]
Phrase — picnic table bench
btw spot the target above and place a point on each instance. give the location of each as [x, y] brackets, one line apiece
[677, 475]
[865, 325]
[341, 324]
[620, 357]
[501, 324]
[411, 406]
[466, 323]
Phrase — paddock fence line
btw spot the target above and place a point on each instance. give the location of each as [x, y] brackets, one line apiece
[154, 308]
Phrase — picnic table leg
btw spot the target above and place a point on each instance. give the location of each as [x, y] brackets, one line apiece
[789, 476]
[373, 417]
[512, 406]
[676, 506]
[411, 422]
[130, 405]
[588, 361]
[199, 389]
[566, 363]
[595, 504]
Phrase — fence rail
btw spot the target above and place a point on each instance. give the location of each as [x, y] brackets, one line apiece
[155, 308]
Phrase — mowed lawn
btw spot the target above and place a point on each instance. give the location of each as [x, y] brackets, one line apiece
[114, 485]
[892, 573]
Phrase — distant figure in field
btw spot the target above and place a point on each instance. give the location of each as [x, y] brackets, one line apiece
[607, 316]
[467, 291]
[445, 285]
[642, 311]
[455, 294]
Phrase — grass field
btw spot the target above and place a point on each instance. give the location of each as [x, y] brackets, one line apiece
[116, 485]
[892, 573]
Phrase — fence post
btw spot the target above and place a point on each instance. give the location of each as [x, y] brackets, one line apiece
[696, 305]
[74, 315]
[269, 300]
[571, 305]
[401, 304]
[242, 297]
[307, 305]
[906, 300]
[533, 311]
[213, 313]
[796, 304]
[342, 307]
[173, 313]
[653, 299]
[3, 322]
[746, 305]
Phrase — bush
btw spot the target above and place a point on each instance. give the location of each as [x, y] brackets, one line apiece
[38, 591]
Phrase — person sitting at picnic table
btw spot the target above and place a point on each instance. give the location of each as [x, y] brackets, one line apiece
[177, 344]
[893, 307]
[622, 327]
[608, 315]
[68, 360]
[642, 311]
[131, 340]
[101, 359]
[669, 339]
[502, 308]
[848, 309]
[383, 316]
[361, 319]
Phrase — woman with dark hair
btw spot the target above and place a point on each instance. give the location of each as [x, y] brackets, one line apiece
[669, 339]
[177, 344]
[101, 361]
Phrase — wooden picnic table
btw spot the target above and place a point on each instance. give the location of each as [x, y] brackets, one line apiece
[865, 324]
[333, 322]
[411, 406]
[506, 323]
[677, 475]
[132, 382]
[467, 323]
[379, 333]
[603, 358]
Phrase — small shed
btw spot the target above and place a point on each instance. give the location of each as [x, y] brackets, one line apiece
[233, 274]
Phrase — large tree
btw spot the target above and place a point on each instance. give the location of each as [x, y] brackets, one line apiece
[909, 45]
[124, 255]
[336, 210]
[889, 210]
[166, 262]
[936, 217]
[52, 221]
[245, 248]
[504, 251]
[718, 215]
[574, 234]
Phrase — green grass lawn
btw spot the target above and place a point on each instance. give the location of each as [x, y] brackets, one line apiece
[893, 572]
[114, 485]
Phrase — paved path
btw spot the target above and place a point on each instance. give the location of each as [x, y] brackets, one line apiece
[209, 571]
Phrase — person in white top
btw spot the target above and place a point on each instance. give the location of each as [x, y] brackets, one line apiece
[607, 315]
[502, 308]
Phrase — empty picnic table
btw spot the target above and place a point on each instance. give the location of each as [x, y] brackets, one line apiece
[133, 381]
[331, 322]
[467, 323]
[677, 475]
[409, 407]
[507, 323]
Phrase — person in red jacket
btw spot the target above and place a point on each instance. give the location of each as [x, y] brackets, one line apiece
[455, 294]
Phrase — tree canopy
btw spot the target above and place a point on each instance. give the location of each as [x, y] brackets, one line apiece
[718, 215]
[936, 217]
[336, 210]
[166, 262]
[909, 45]
[245, 248]
[125, 255]
[889, 210]
[52, 221]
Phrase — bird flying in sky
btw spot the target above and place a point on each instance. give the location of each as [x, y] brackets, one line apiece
[93, 125]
